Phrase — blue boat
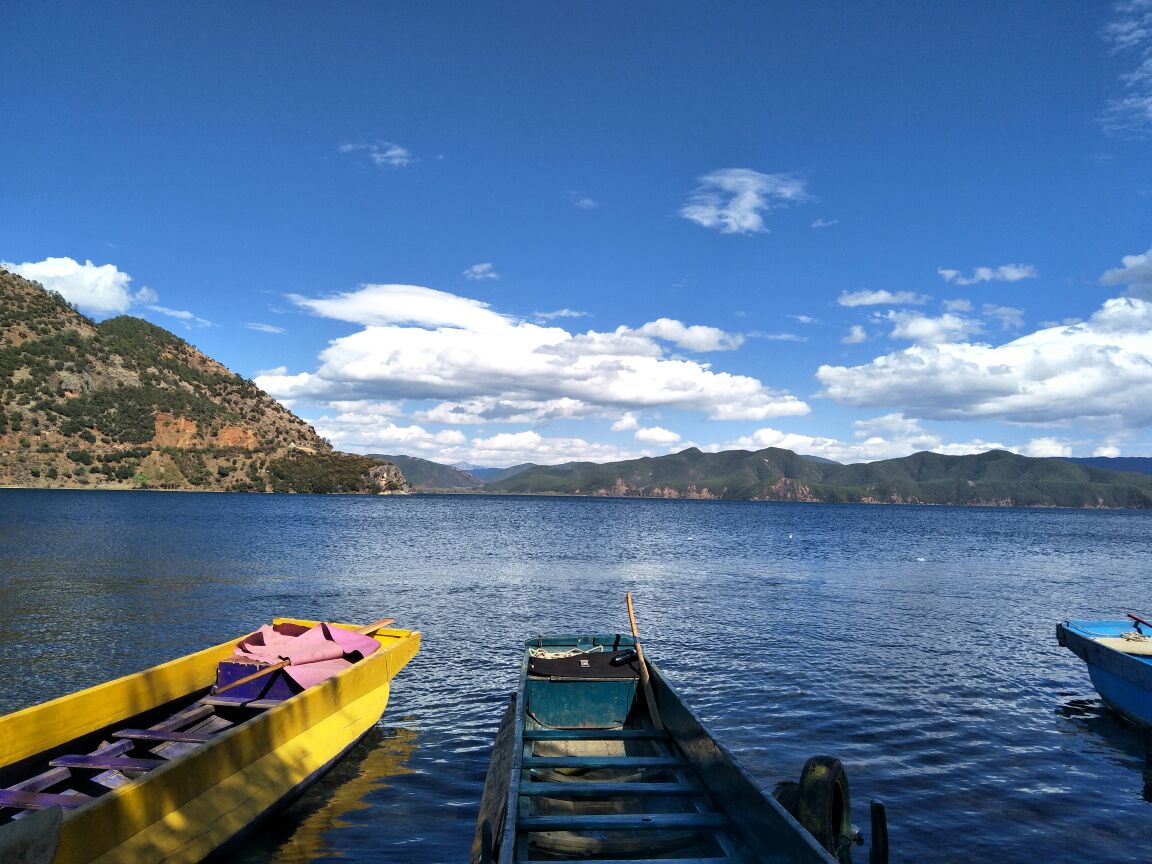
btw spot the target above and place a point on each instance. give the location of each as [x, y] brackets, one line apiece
[1119, 658]
[598, 759]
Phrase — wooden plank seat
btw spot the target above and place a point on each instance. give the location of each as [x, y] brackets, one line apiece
[101, 762]
[240, 702]
[591, 789]
[162, 735]
[603, 762]
[40, 800]
[622, 821]
[591, 734]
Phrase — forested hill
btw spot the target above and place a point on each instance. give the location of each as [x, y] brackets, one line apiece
[995, 478]
[124, 403]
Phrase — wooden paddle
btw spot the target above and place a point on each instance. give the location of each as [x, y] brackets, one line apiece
[649, 697]
[1139, 621]
[383, 622]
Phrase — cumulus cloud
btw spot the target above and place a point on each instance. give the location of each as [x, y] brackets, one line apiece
[881, 298]
[418, 343]
[1129, 33]
[627, 421]
[1135, 272]
[381, 153]
[1109, 450]
[96, 289]
[692, 338]
[580, 201]
[856, 335]
[1003, 273]
[1097, 370]
[734, 200]
[948, 327]
[481, 272]
[1047, 447]
[1010, 317]
[656, 435]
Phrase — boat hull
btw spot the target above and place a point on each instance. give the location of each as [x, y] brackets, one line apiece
[197, 802]
[1123, 680]
[579, 772]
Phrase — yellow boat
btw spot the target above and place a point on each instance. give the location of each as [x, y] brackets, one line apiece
[166, 766]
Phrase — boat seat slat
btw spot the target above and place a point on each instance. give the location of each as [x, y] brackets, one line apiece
[603, 762]
[161, 735]
[591, 734]
[189, 715]
[101, 762]
[591, 789]
[240, 702]
[625, 821]
[40, 800]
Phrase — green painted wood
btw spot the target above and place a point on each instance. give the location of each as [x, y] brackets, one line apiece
[623, 821]
[603, 762]
[592, 734]
[606, 790]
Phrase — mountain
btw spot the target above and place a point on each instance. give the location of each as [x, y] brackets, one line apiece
[1133, 464]
[126, 404]
[488, 475]
[429, 476]
[995, 478]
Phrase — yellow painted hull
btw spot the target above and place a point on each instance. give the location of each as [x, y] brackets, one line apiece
[184, 810]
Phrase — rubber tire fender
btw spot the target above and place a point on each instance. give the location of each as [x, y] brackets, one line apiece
[824, 807]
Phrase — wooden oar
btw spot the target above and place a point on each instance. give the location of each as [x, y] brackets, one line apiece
[371, 628]
[1139, 621]
[645, 680]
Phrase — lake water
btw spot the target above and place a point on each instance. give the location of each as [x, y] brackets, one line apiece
[916, 644]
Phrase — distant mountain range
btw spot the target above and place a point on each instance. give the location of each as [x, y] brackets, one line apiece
[995, 478]
[126, 404]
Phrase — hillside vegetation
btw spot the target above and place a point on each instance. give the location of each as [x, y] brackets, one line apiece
[125, 403]
[995, 478]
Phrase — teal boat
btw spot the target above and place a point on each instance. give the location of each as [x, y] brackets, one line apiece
[589, 767]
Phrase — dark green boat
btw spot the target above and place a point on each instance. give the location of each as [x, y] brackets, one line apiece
[586, 769]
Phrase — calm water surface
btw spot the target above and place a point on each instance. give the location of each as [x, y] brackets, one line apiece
[917, 644]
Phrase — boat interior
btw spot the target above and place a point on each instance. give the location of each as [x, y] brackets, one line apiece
[598, 780]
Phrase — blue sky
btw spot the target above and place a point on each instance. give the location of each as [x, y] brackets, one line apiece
[538, 231]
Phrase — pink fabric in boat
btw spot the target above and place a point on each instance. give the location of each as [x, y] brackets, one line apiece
[315, 654]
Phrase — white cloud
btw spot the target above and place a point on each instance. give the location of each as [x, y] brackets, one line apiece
[480, 411]
[1047, 447]
[881, 298]
[891, 436]
[580, 201]
[1098, 370]
[381, 153]
[959, 305]
[1136, 273]
[627, 421]
[481, 272]
[733, 200]
[263, 328]
[804, 319]
[825, 223]
[923, 328]
[96, 289]
[560, 313]
[188, 319]
[1129, 115]
[692, 338]
[1109, 450]
[1009, 317]
[1003, 273]
[656, 435]
[856, 335]
[418, 343]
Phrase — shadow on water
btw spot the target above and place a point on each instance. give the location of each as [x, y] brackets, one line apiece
[1107, 733]
[301, 833]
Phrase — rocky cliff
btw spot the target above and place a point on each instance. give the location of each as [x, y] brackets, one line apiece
[126, 404]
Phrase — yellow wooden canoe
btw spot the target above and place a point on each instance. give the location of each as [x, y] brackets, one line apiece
[180, 796]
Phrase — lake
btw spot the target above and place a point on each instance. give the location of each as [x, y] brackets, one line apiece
[917, 644]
